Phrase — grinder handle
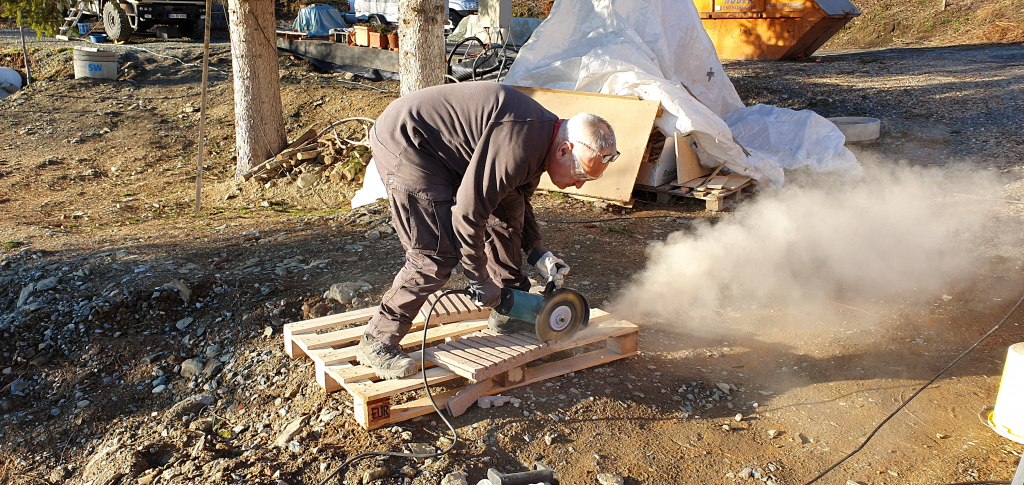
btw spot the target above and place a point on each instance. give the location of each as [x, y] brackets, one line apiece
[523, 478]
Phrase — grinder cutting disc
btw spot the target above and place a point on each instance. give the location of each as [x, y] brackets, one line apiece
[564, 313]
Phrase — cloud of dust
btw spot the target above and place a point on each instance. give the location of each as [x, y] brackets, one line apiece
[893, 231]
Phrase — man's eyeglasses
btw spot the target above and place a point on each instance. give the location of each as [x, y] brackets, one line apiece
[577, 170]
[604, 158]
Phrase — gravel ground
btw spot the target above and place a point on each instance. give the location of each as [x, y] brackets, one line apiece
[97, 225]
[937, 105]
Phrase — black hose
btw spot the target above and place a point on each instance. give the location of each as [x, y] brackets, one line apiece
[423, 353]
[912, 396]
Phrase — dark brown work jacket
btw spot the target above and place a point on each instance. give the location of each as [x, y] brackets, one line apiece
[474, 143]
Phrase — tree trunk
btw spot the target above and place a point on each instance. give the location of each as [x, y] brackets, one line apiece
[421, 43]
[259, 122]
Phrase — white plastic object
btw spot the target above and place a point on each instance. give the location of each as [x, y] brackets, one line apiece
[1007, 418]
[10, 81]
[858, 128]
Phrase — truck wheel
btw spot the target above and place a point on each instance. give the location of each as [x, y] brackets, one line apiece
[455, 17]
[195, 30]
[376, 20]
[115, 22]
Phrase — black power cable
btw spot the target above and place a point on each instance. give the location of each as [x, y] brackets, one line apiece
[911, 398]
[426, 386]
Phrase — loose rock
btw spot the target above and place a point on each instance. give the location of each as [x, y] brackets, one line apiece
[290, 430]
[455, 478]
[191, 367]
[372, 475]
[610, 479]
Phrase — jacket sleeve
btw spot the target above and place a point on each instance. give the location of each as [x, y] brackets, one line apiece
[532, 241]
[504, 160]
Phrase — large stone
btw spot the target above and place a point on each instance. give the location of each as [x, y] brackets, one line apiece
[291, 430]
[307, 179]
[183, 290]
[26, 293]
[455, 478]
[344, 292]
[184, 323]
[610, 479]
[47, 284]
[190, 405]
[372, 475]
[191, 367]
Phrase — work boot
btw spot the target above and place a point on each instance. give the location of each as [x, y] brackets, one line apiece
[505, 325]
[388, 361]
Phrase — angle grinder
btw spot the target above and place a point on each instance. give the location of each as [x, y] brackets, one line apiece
[557, 313]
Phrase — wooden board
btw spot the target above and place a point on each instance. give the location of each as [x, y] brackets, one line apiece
[717, 182]
[631, 118]
[485, 354]
[452, 308]
[688, 167]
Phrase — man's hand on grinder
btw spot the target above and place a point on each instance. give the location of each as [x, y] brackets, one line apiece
[486, 294]
[552, 268]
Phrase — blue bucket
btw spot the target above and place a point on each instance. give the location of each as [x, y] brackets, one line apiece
[83, 28]
[98, 38]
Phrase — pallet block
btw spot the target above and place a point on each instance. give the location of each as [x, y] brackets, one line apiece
[336, 367]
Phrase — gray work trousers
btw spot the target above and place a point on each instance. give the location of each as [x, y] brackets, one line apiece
[422, 218]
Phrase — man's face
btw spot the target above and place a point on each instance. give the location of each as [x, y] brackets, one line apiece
[560, 165]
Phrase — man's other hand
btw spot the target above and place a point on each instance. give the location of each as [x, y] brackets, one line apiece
[552, 268]
[485, 294]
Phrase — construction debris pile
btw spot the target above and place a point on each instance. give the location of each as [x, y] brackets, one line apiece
[338, 153]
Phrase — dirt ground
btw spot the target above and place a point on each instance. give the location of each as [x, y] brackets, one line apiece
[97, 185]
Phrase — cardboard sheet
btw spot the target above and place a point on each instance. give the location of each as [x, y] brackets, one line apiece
[630, 117]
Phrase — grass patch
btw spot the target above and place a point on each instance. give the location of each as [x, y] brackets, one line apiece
[11, 244]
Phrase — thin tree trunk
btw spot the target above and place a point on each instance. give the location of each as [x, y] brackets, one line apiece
[24, 52]
[259, 123]
[202, 106]
[421, 43]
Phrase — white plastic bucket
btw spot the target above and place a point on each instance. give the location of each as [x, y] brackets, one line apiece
[1007, 418]
[94, 63]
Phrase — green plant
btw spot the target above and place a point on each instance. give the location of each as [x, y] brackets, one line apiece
[43, 16]
[11, 244]
[385, 29]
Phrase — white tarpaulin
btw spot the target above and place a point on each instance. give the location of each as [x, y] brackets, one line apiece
[658, 50]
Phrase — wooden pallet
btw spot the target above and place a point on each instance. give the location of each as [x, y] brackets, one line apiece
[336, 366]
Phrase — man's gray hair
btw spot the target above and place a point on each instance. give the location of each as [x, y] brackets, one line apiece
[590, 129]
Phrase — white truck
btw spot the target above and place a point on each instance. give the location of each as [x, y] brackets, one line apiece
[377, 12]
[124, 17]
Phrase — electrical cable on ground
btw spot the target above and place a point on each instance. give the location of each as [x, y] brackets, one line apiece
[983, 482]
[426, 386]
[922, 388]
[610, 219]
[198, 66]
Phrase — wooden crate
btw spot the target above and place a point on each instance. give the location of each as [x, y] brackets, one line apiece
[333, 353]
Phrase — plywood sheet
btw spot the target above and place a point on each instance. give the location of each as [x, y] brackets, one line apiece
[630, 117]
[688, 167]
